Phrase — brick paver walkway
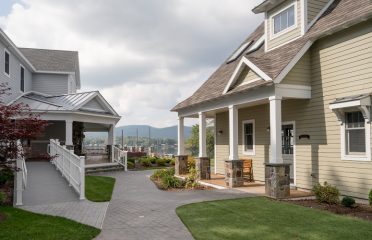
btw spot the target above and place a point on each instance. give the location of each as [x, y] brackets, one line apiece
[138, 210]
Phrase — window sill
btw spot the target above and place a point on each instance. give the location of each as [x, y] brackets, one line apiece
[356, 158]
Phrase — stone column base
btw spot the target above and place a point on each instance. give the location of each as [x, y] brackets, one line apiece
[203, 167]
[234, 173]
[181, 165]
[277, 180]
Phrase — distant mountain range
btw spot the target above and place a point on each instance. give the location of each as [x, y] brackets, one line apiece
[143, 131]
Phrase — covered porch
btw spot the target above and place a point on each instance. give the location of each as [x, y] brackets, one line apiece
[248, 127]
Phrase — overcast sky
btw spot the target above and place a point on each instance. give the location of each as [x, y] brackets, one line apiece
[144, 56]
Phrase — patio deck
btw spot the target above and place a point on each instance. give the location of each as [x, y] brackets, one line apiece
[257, 188]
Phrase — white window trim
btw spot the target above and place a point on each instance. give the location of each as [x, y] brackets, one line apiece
[253, 151]
[24, 78]
[350, 157]
[271, 21]
[6, 51]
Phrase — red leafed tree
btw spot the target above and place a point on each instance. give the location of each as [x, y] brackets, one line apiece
[17, 122]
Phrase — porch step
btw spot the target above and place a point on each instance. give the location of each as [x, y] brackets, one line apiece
[103, 167]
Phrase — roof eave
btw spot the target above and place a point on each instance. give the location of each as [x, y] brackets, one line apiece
[266, 6]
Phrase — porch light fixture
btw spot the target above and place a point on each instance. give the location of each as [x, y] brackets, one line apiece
[304, 136]
[268, 129]
[220, 132]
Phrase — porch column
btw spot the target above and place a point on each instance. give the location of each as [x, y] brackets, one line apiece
[234, 166]
[276, 129]
[69, 129]
[277, 173]
[181, 158]
[203, 162]
[111, 141]
[181, 137]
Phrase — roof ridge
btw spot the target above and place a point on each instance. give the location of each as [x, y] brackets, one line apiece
[46, 49]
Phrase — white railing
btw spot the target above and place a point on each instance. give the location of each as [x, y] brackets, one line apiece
[20, 176]
[120, 156]
[70, 165]
[95, 150]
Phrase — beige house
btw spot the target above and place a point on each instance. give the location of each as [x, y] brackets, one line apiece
[297, 91]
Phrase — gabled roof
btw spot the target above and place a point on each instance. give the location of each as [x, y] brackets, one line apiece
[340, 14]
[53, 61]
[68, 102]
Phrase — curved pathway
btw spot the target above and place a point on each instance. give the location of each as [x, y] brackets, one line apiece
[138, 210]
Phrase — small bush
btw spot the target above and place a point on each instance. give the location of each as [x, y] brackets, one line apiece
[167, 160]
[153, 160]
[190, 162]
[130, 165]
[326, 194]
[348, 201]
[2, 198]
[191, 179]
[170, 182]
[6, 174]
[161, 162]
[132, 160]
[172, 162]
[145, 162]
[370, 198]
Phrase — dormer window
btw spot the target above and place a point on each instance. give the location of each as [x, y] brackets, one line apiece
[284, 20]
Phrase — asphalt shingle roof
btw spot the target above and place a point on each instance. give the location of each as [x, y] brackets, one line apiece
[340, 14]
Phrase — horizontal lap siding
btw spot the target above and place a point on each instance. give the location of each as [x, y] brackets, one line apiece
[341, 66]
[314, 7]
[285, 37]
[301, 72]
[53, 84]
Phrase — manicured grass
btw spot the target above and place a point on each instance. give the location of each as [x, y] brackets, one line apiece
[99, 189]
[20, 224]
[262, 218]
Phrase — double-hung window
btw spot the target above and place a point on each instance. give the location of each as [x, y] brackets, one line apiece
[284, 19]
[355, 134]
[248, 137]
[7, 63]
[22, 79]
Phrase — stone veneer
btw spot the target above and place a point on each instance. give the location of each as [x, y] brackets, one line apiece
[234, 173]
[277, 180]
[181, 165]
[203, 167]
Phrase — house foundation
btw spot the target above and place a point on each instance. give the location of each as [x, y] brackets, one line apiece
[203, 167]
[277, 180]
[234, 173]
[181, 165]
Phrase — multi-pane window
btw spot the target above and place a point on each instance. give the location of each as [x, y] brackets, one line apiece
[7, 63]
[355, 138]
[284, 19]
[287, 139]
[248, 137]
[22, 79]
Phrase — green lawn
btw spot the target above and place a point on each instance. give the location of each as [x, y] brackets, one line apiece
[21, 225]
[262, 218]
[99, 189]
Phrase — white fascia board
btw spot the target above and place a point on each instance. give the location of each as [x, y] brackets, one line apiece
[293, 62]
[293, 91]
[244, 61]
[255, 95]
[78, 116]
[355, 103]
[54, 72]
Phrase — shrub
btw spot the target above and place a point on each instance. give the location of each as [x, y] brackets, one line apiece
[161, 162]
[191, 179]
[370, 198]
[348, 201]
[130, 164]
[327, 193]
[145, 162]
[190, 162]
[153, 160]
[167, 160]
[6, 174]
[132, 160]
[169, 181]
[2, 198]
[172, 162]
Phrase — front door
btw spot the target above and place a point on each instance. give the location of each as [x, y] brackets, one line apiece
[287, 147]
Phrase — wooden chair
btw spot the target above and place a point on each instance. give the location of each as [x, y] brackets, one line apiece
[248, 170]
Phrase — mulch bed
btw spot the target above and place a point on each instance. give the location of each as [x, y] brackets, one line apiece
[359, 210]
[158, 185]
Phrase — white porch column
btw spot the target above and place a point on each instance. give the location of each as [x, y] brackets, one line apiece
[202, 135]
[69, 133]
[276, 129]
[181, 137]
[233, 132]
[111, 135]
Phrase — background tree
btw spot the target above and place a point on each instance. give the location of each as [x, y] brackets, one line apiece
[17, 122]
[192, 143]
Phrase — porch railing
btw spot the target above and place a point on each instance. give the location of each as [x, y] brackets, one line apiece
[120, 156]
[20, 176]
[70, 165]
